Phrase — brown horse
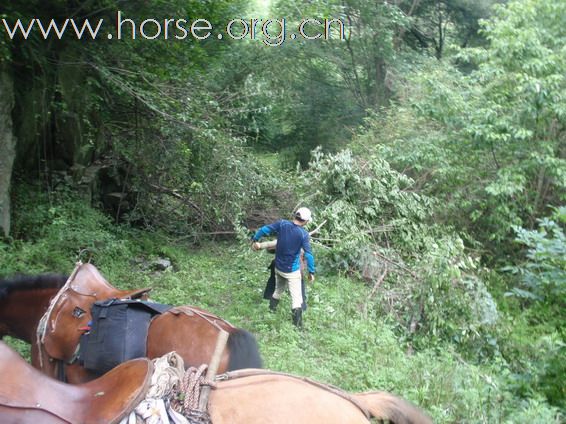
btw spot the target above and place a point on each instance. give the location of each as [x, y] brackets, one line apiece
[238, 397]
[23, 301]
[28, 396]
[258, 397]
[192, 332]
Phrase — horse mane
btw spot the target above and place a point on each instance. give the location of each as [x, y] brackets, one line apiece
[31, 282]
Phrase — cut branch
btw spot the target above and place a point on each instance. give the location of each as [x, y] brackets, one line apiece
[404, 268]
[177, 195]
[378, 283]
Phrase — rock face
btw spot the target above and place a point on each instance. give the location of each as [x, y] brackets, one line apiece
[7, 147]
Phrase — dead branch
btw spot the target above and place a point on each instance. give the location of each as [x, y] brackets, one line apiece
[176, 195]
[378, 283]
[402, 267]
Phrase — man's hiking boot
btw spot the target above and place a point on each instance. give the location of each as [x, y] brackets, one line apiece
[273, 304]
[298, 317]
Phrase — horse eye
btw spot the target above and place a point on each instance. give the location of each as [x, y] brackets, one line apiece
[78, 312]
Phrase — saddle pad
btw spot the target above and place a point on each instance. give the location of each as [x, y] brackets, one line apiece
[118, 333]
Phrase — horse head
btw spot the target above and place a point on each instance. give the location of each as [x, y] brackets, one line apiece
[23, 300]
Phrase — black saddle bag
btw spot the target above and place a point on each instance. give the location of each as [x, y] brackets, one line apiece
[118, 333]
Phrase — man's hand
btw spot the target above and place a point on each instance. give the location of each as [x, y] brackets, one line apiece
[255, 245]
[311, 278]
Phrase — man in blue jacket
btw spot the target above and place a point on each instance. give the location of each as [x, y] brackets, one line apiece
[291, 238]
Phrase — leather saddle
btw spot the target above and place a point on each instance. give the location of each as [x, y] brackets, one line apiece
[28, 396]
[71, 310]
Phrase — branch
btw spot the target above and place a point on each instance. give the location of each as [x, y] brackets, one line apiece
[404, 268]
[316, 230]
[378, 283]
[176, 195]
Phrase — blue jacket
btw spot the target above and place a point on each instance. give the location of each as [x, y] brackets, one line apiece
[291, 238]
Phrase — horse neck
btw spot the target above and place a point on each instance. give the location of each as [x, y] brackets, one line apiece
[21, 311]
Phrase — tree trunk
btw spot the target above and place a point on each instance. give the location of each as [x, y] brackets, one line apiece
[7, 146]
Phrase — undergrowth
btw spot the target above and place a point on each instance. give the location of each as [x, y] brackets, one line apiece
[347, 341]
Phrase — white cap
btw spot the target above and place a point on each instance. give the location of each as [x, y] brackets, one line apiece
[304, 214]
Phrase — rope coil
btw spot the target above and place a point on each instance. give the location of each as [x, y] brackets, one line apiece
[186, 397]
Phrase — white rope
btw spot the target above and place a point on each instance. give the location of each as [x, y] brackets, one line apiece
[156, 407]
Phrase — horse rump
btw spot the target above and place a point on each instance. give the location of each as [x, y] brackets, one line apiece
[244, 351]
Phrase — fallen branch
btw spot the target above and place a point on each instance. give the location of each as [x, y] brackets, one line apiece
[404, 268]
[317, 229]
[373, 290]
[176, 195]
[378, 283]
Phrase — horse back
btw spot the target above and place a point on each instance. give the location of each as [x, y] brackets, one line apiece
[251, 400]
[191, 332]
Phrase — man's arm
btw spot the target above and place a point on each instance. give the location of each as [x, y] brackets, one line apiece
[267, 230]
[308, 254]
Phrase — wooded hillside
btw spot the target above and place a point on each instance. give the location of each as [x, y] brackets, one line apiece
[430, 136]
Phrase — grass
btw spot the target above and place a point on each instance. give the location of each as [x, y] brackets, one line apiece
[345, 341]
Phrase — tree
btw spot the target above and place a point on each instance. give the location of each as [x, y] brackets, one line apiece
[7, 146]
[490, 143]
[132, 121]
[438, 23]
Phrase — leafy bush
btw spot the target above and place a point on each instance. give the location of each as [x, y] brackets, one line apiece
[536, 348]
[53, 229]
[377, 227]
[544, 272]
[487, 142]
[364, 203]
[444, 300]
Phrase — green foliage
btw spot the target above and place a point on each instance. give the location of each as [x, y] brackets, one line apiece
[347, 341]
[540, 369]
[454, 162]
[535, 411]
[447, 300]
[539, 364]
[19, 346]
[377, 227]
[326, 85]
[489, 144]
[439, 25]
[544, 273]
[135, 119]
[50, 234]
[364, 202]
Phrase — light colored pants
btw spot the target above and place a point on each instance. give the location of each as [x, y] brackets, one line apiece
[293, 280]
